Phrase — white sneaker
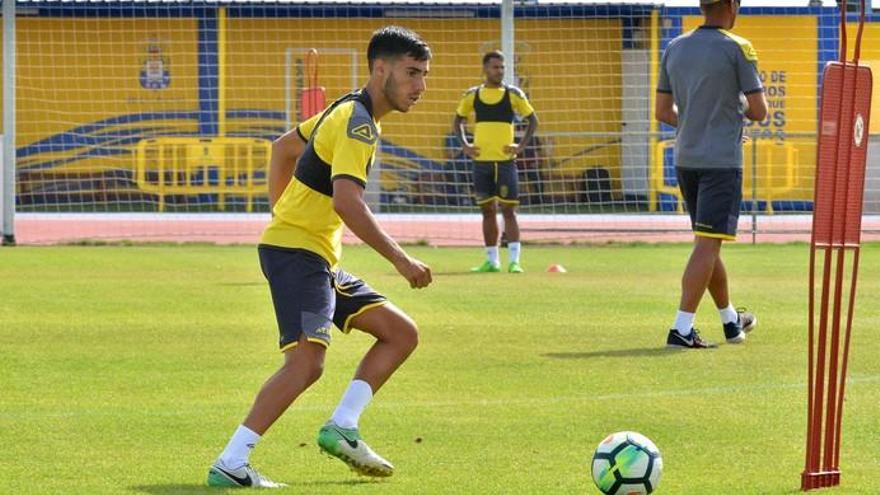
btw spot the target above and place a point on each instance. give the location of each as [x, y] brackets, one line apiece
[220, 475]
[346, 445]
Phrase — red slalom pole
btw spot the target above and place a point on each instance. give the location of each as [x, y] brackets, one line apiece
[837, 215]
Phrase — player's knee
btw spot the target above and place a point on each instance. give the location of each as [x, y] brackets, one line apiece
[305, 362]
[313, 371]
[406, 336]
[508, 211]
[489, 210]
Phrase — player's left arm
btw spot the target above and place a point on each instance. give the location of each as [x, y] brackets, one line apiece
[518, 148]
[665, 110]
[352, 156]
[522, 106]
[664, 103]
[348, 201]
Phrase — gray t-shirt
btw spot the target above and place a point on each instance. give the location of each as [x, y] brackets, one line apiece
[707, 70]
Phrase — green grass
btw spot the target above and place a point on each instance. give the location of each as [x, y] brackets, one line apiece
[125, 370]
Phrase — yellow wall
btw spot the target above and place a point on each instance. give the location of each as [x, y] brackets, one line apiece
[787, 61]
[572, 69]
[571, 93]
[74, 72]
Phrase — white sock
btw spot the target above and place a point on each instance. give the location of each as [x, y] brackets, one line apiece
[514, 248]
[684, 322]
[728, 314]
[354, 400]
[492, 255]
[239, 447]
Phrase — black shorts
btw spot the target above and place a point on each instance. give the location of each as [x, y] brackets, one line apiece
[712, 197]
[496, 181]
[309, 298]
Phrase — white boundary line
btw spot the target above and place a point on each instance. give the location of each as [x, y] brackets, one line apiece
[868, 380]
[661, 218]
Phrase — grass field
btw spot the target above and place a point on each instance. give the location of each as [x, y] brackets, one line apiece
[125, 369]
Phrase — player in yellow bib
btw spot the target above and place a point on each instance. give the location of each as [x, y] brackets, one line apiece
[495, 106]
[300, 252]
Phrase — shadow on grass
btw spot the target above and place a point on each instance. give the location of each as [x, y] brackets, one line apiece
[616, 353]
[183, 488]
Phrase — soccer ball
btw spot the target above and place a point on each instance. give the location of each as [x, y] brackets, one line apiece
[627, 463]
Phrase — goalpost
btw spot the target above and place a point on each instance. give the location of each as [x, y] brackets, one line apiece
[7, 154]
[100, 81]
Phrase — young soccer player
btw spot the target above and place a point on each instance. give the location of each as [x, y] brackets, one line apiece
[300, 251]
[495, 106]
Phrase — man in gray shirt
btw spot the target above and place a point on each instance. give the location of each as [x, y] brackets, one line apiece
[708, 82]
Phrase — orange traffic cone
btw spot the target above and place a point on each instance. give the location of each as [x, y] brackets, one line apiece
[556, 269]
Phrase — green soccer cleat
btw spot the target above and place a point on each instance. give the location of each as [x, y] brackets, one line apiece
[346, 445]
[486, 267]
[245, 476]
[514, 267]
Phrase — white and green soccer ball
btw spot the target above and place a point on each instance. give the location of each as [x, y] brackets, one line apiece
[627, 463]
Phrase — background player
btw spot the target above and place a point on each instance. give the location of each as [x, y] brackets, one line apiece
[708, 81]
[493, 151]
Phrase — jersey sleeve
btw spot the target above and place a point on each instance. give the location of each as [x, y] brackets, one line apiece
[354, 148]
[466, 105]
[747, 70]
[520, 103]
[663, 85]
[305, 128]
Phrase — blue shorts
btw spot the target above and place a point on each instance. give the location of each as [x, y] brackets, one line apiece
[310, 298]
[712, 197]
[496, 181]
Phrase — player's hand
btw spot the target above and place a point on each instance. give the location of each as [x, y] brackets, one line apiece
[471, 151]
[744, 102]
[415, 272]
[512, 149]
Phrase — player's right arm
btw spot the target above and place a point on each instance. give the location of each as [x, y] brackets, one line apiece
[749, 80]
[286, 150]
[757, 106]
[459, 123]
[750, 85]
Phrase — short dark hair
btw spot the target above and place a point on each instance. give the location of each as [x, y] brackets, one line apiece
[396, 41]
[493, 54]
[717, 5]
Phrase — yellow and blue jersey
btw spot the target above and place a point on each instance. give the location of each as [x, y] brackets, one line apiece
[494, 110]
[342, 143]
